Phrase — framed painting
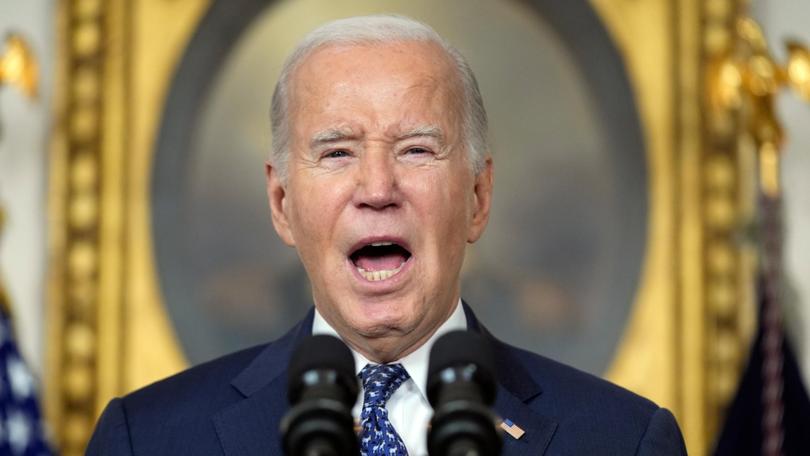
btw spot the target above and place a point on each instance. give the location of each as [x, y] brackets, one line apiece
[605, 228]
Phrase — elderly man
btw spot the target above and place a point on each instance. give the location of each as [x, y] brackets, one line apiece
[379, 177]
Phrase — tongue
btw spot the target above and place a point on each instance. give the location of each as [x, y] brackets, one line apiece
[386, 262]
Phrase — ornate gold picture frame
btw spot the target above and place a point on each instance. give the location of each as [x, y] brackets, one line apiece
[109, 331]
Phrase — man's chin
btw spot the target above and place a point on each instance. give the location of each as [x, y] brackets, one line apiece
[380, 328]
[370, 315]
[383, 343]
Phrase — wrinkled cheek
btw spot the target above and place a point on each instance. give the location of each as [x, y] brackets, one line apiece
[312, 219]
[309, 242]
[454, 240]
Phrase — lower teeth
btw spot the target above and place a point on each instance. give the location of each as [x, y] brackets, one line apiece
[376, 276]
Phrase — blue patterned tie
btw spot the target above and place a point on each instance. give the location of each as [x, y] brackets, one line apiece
[378, 437]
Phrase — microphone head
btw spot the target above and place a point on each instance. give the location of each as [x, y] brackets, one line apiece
[322, 387]
[461, 357]
[324, 354]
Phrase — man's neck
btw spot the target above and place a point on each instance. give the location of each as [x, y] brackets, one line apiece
[416, 360]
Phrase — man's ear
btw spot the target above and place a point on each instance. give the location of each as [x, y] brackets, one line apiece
[482, 201]
[277, 198]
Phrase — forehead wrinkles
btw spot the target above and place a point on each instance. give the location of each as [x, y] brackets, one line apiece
[443, 104]
[436, 82]
[442, 87]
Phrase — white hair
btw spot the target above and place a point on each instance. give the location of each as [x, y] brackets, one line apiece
[378, 29]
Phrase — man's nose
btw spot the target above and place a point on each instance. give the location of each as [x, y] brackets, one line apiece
[377, 181]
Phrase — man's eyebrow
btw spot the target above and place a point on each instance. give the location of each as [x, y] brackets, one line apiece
[423, 130]
[331, 135]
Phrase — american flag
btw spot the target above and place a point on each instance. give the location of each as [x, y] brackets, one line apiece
[512, 429]
[22, 432]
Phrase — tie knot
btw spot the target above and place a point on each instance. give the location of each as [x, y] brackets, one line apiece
[380, 381]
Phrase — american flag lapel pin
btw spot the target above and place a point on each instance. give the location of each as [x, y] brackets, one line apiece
[512, 429]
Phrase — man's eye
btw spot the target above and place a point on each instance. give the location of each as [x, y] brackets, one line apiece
[336, 154]
[417, 150]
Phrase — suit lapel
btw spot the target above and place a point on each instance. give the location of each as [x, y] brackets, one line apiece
[538, 429]
[516, 389]
[250, 427]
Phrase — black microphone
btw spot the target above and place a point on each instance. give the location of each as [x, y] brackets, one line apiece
[461, 389]
[322, 388]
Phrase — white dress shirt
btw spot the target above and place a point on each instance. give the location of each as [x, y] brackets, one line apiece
[408, 408]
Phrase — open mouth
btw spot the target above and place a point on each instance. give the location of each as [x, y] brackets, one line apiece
[380, 260]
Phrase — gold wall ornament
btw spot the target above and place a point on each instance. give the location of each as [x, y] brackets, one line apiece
[745, 88]
[18, 67]
[798, 69]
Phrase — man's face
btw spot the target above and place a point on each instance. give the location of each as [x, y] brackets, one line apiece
[380, 198]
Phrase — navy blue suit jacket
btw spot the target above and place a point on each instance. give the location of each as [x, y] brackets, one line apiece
[233, 405]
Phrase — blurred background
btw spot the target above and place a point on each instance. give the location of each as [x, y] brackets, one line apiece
[635, 146]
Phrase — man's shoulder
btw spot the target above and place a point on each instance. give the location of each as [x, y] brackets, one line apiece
[593, 414]
[213, 384]
[173, 415]
[566, 392]
[205, 385]
[557, 378]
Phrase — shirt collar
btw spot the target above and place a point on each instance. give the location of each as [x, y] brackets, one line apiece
[416, 363]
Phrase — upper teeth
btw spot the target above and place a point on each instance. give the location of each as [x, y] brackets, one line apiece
[381, 244]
